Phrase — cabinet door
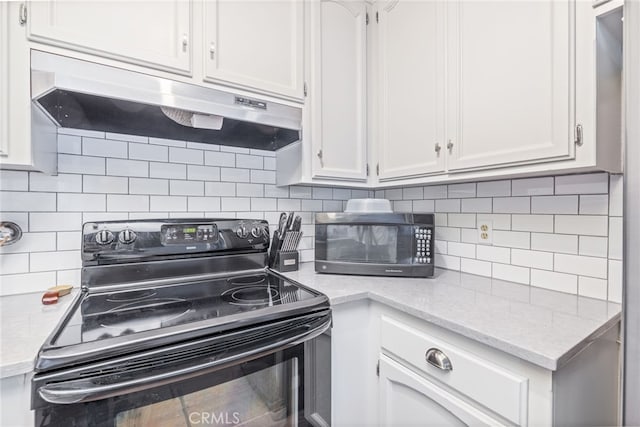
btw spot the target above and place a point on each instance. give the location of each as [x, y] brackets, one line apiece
[410, 88]
[155, 34]
[510, 82]
[337, 89]
[4, 79]
[406, 399]
[255, 44]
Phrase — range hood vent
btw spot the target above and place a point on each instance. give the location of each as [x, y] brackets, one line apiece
[84, 95]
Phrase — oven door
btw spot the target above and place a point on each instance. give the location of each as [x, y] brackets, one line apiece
[263, 389]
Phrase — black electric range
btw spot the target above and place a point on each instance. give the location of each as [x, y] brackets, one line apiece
[166, 296]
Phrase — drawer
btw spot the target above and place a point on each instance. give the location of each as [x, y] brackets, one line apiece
[499, 390]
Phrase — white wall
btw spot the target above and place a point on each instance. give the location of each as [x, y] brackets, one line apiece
[561, 233]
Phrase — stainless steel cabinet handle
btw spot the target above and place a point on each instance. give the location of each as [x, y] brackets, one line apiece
[578, 140]
[185, 42]
[450, 146]
[437, 358]
[438, 148]
[212, 50]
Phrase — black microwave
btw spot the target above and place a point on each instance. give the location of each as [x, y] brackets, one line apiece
[377, 244]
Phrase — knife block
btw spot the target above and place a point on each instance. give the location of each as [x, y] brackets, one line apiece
[287, 261]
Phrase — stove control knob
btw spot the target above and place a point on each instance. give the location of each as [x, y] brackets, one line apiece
[127, 236]
[104, 237]
[242, 232]
[255, 232]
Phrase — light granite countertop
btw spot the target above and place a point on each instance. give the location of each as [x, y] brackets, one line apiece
[544, 327]
[24, 325]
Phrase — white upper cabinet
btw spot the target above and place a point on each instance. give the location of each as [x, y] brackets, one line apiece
[255, 45]
[410, 89]
[155, 34]
[511, 82]
[337, 88]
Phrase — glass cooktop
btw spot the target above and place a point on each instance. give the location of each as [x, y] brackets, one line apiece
[105, 315]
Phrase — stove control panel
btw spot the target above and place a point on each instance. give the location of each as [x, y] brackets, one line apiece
[129, 241]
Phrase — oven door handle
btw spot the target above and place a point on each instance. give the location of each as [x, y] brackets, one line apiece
[86, 390]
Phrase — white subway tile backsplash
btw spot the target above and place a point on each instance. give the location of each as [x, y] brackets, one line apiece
[67, 183]
[477, 205]
[593, 246]
[123, 137]
[448, 233]
[532, 186]
[12, 284]
[186, 155]
[168, 203]
[167, 170]
[55, 221]
[186, 188]
[554, 205]
[149, 186]
[469, 235]
[263, 153]
[249, 190]
[435, 192]
[615, 238]
[203, 204]
[459, 191]
[510, 273]
[219, 189]
[270, 163]
[212, 158]
[554, 243]
[441, 219]
[615, 281]
[473, 266]
[81, 164]
[127, 203]
[448, 262]
[592, 288]
[597, 204]
[555, 281]
[240, 150]
[167, 142]
[68, 240]
[103, 184]
[393, 194]
[134, 168]
[263, 177]
[31, 242]
[462, 220]
[300, 192]
[59, 260]
[71, 277]
[440, 246]
[615, 195]
[203, 146]
[494, 254]
[76, 202]
[14, 180]
[203, 173]
[512, 239]
[512, 205]
[104, 148]
[14, 263]
[412, 193]
[595, 183]
[289, 205]
[248, 161]
[534, 259]
[494, 188]
[69, 144]
[150, 152]
[148, 215]
[262, 204]
[81, 132]
[234, 175]
[448, 205]
[332, 206]
[27, 201]
[581, 265]
[424, 206]
[321, 193]
[588, 225]
[465, 250]
[499, 221]
[235, 204]
[312, 205]
[539, 223]
[104, 216]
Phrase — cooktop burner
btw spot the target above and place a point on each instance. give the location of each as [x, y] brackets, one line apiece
[104, 315]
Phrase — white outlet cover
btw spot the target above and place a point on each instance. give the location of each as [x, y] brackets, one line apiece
[485, 232]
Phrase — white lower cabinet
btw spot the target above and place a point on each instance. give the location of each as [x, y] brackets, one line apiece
[407, 398]
[15, 405]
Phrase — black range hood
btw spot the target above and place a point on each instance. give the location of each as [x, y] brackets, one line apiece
[84, 95]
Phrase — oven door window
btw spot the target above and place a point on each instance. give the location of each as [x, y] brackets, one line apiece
[263, 392]
[363, 243]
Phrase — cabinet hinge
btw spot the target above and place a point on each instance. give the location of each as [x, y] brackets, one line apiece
[578, 136]
[367, 169]
[305, 89]
[378, 169]
[377, 17]
[366, 18]
[378, 368]
[22, 16]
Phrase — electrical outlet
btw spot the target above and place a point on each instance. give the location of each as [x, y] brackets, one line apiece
[485, 232]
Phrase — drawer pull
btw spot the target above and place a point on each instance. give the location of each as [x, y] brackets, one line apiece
[438, 359]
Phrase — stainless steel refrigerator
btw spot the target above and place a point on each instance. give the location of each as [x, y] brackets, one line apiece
[631, 289]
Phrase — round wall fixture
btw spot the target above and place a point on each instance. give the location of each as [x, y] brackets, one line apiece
[10, 232]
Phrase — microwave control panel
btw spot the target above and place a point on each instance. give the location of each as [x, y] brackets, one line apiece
[423, 246]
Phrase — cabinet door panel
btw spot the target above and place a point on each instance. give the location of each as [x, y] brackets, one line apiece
[510, 82]
[411, 88]
[255, 44]
[156, 34]
[409, 399]
[338, 89]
